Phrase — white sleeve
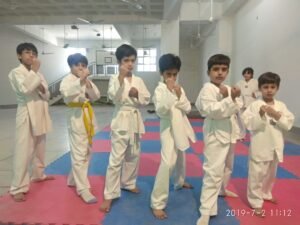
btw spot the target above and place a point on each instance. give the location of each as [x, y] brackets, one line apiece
[183, 103]
[93, 92]
[163, 101]
[70, 88]
[45, 96]
[286, 120]
[144, 95]
[252, 119]
[25, 84]
[210, 107]
[115, 91]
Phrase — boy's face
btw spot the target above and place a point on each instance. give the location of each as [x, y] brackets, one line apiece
[128, 62]
[170, 74]
[78, 68]
[27, 57]
[247, 76]
[268, 91]
[218, 74]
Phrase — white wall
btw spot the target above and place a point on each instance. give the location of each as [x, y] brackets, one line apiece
[170, 37]
[208, 48]
[52, 66]
[189, 75]
[266, 36]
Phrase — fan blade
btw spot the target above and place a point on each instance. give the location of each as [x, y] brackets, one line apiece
[84, 20]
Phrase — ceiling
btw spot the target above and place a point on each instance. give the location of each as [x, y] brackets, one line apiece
[111, 19]
[51, 11]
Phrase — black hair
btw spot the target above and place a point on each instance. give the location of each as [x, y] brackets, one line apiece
[125, 51]
[76, 58]
[248, 70]
[169, 61]
[26, 46]
[218, 59]
[269, 78]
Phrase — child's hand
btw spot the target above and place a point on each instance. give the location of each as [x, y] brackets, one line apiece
[36, 65]
[133, 93]
[170, 83]
[273, 113]
[177, 89]
[124, 71]
[88, 83]
[41, 88]
[235, 92]
[83, 74]
[223, 91]
[262, 110]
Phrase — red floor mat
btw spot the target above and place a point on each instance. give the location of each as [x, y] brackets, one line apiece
[53, 202]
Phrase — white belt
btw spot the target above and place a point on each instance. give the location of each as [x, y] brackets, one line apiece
[134, 118]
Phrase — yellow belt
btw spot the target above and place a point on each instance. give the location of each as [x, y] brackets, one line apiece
[87, 118]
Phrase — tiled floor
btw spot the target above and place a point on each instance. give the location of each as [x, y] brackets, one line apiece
[57, 140]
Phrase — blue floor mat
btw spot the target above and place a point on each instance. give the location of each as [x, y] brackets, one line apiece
[182, 208]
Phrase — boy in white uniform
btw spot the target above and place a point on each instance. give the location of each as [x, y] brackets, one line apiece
[218, 103]
[265, 119]
[78, 91]
[32, 121]
[171, 105]
[249, 93]
[128, 92]
[249, 87]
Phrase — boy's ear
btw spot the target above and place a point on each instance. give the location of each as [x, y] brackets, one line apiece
[208, 72]
[19, 57]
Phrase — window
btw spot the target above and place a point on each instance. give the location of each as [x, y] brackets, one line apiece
[146, 59]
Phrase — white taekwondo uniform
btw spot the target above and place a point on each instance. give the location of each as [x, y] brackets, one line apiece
[175, 133]
[220, 134]
[32, 124]
[266, 149]
[77, 97]
[126, 127]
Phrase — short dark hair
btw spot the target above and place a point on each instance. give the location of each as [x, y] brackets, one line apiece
[76, 58]
[26, 46]
[218, 59]
[169, 61]
[125, 51]
[248, 70]
[269, 78]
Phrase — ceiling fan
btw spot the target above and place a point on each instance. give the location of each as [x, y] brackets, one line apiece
[135, 3]
[91, 22]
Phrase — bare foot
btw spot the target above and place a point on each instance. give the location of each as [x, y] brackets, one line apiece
[272, 200]
[229, 194]
[36, 180]
[105, 206]
[203, 220]
[259, 212]
[187, 186]
[19, 197]
[135, 190]
[159, 214]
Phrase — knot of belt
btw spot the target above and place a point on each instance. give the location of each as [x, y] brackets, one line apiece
[87, 117]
